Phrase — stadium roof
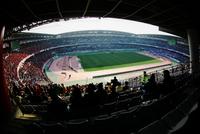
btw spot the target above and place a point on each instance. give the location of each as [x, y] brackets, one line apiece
[174, 16]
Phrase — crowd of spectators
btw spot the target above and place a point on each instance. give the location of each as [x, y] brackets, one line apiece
[10, 62]
[63, 99]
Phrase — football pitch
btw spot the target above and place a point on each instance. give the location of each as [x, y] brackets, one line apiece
[109, 60]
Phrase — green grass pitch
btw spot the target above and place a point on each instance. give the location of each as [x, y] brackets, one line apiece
[109, 60]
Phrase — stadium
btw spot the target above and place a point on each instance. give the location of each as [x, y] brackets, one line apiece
[99, 81]
[85, 57]
[82, 55]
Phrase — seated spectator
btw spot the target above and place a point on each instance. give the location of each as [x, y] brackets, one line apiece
[75, 98]
[113, 94]
[89, 98]
[126, 86]
[168, 84]
[119, 88]
[115, 81]
[57, 109]
[150, 88]
[108, 87]
[101, 94]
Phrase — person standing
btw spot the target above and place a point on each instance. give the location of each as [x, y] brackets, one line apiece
[70, 76]
[144, 78]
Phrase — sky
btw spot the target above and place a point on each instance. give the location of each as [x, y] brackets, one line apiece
[97, 24]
